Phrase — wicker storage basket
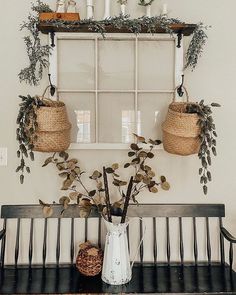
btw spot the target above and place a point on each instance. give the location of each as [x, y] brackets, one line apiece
[89, 260]
[53, 133]
[180, 129]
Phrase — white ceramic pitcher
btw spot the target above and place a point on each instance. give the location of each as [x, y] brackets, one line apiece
[116, 263]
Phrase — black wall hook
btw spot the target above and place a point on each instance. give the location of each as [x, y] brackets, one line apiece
[179, 36]
[52, 36]
[180, 88]
[52, 87]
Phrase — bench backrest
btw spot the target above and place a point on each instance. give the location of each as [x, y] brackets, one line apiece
[152, 211]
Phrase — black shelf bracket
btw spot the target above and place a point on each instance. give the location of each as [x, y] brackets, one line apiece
[179, 36]
[52, 36]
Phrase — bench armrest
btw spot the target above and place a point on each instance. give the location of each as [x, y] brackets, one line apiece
[227, 235]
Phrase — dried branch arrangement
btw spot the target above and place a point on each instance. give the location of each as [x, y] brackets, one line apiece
[143, 178]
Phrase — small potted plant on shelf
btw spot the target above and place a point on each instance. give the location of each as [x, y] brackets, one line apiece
[115, 214]
[147, 4]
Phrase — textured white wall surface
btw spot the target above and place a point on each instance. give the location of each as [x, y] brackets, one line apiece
[213, 80]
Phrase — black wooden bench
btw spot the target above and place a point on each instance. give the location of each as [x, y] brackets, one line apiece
[209, 277]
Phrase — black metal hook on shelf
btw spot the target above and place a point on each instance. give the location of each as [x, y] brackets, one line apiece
[180, 88]
[52, 87]
[52, 36]
[179, 36]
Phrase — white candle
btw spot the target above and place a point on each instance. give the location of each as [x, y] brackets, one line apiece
[89, 2]
[90, 9]
[164, 9]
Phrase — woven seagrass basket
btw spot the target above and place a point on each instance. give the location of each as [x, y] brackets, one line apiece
[53, 132]
[89, 260]
[180, 129]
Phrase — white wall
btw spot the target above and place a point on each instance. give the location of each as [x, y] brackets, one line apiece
[213, 80]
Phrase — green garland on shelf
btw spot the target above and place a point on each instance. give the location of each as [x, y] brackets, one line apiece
[38, 54]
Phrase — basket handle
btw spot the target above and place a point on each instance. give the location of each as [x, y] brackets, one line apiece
[186, 93]
[44, 93]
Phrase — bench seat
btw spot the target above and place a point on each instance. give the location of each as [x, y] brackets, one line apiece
[147, 279]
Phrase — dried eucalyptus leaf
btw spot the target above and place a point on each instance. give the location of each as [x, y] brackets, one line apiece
[66, 184]
[154, 190]
[47, 161]
[163, 178]
[84, 212]
[165, 186]
[134, 147]
[205, 189]
[131, 154]
[47, 211]
[126, 165]
[70, 165]
[63, 174]
[115, 166]
[73, 196]
[150, 155]
[109, 170]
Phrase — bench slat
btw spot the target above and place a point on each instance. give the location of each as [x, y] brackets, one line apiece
[31, 241]
[208, 241]
[168, 240]
[181, 244]
[72, 241]
[195, 247]
[143, 210]
[141, 237]
[17, 241]
[58, 247]
[154, 240]
[45, 234]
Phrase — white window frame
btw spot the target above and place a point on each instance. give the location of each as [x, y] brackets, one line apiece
[53, 70]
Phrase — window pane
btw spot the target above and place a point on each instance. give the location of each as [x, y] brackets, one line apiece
[76, 68]
[81, 111]
[116, 117]
[156, 65]
[153, 109]
[116, 65]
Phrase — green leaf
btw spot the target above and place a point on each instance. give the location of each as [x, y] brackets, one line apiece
[205, 189]
[22, 178]
[214, 104]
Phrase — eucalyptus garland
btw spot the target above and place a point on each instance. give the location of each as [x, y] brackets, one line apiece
[145, 3]
[38, 54]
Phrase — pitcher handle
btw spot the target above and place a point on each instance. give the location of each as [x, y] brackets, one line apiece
[140, 243]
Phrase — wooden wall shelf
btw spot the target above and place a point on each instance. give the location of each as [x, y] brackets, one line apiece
[45, 28]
